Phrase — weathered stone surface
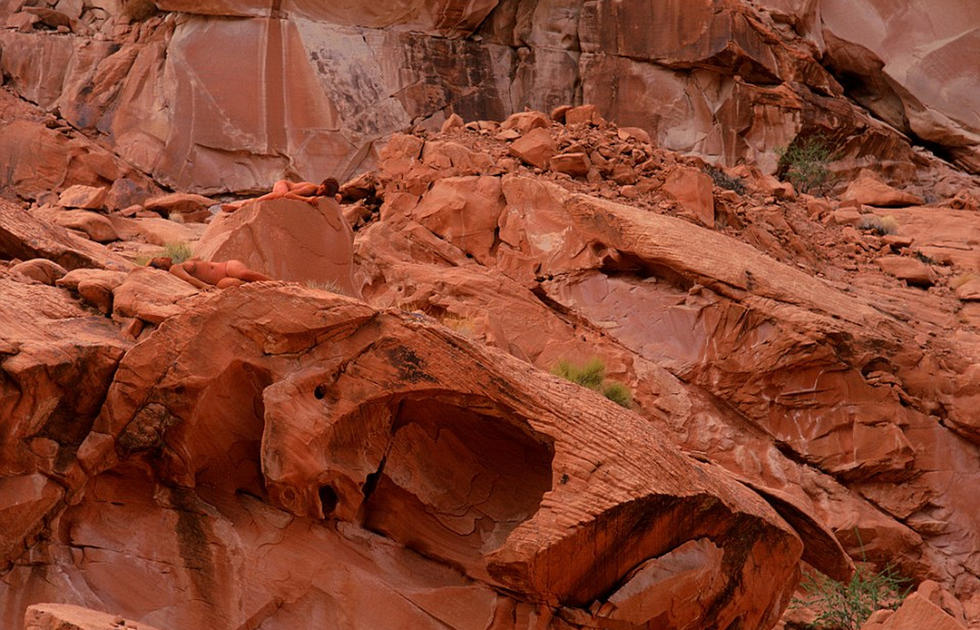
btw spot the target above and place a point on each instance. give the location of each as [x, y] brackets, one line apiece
[23, 236]
[68, 617]
[916, 612]
[692, 189]
[96, 226]
[441, 429]
[924, 93]
[150, 295]
[871, 191]
[183, 204]
[909, 269]
[969, 291]
[85, 197]
[535, 147]
[55, 364]
[773, 347]
[538, 239]
[40, 269]
[95, 286]
[681, 81]
[575, 164]
[285, 239]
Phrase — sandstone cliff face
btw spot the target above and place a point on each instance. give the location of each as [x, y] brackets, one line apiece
[804, 370]
[228, 96]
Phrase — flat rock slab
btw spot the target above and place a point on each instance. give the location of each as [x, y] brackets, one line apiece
[24, 236]
[68, 617]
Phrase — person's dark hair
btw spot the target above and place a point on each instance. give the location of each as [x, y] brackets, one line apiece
[328, 187]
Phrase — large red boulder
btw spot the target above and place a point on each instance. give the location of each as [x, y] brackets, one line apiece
[287, 240]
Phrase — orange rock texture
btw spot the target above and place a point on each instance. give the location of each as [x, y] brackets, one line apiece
[227, 95]
[378, 437]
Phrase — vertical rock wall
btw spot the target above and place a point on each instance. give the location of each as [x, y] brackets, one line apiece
[229, 95]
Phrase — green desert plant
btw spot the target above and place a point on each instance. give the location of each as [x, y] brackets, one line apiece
[593, 375]
[879, 225]
[177, 252]
[804, 163]
[618, 392]
[846, 606]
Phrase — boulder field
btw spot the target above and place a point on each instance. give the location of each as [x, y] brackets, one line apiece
[384, 446]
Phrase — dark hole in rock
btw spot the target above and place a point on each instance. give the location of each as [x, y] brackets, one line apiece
[328, 499]
[320, 391]
[456, 482]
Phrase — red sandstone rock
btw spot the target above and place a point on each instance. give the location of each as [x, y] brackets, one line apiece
[916, 613]
[55, 359]
[85, 197]
[67, 617]
[583, 114]
[466, 210]
[869, 190]
[191, 207]
[692, 189]
[96, 226]
[523, 122]
[846, 216]
[969, 291]
[575, 164]
[40, 269]
[722, 345]
[416, 497]
[95, 286]
[285, 239]
[909, 269]
[23, 236]
[151, 295]
[535, 147]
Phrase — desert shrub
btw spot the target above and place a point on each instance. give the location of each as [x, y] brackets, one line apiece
[804, 163]
[723, 180]
[593, 375]
[462, 325]
[177, 252]
[330, 286]
[619, 393]
[846, 606]
[879, 225]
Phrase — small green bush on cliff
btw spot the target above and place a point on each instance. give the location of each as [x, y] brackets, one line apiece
[804, 164]
[593, 375]
[846, 606]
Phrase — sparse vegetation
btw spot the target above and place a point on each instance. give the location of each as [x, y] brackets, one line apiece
[804, 163]
[177, 252]
[462, 325]
[593, 376]
[330, 286]
[841, 606]
[723, 180]
[879, 225]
